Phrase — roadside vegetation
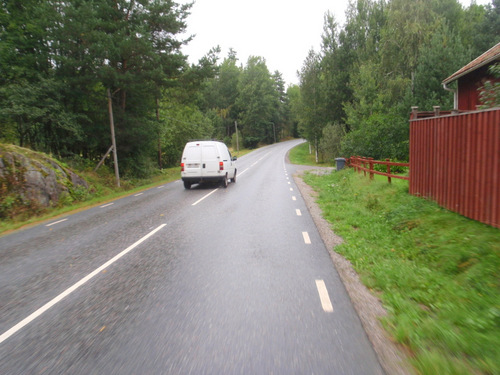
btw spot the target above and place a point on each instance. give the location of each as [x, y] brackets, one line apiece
[102, 189]
[436, 272]
[303, 156]
[61, 59]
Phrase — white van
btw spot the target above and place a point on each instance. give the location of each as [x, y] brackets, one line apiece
[207, 161]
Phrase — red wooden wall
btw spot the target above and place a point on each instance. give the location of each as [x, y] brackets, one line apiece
[455, 160]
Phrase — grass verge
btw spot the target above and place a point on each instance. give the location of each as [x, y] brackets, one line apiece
[103, 189]
[436, 272]
[301, 155]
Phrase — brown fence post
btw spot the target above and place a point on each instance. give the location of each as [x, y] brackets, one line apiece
[388, 170]
[364, 164]
[414, 112]
[370, 161]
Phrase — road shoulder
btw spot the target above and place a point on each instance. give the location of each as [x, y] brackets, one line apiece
[368, 306]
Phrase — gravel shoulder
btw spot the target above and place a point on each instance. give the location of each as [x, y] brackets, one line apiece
[369, 308]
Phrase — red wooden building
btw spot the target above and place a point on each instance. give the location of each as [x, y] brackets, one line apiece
[471, 78]
[455, 155]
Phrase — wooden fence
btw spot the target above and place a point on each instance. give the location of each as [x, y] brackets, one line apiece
[455, 161]
[366, 165]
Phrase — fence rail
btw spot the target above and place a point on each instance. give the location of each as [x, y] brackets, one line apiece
[454, 160]
[366, 165]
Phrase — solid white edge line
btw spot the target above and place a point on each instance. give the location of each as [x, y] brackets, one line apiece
[206, 196]
[71, 289]
[307, 240]
[326, 303]
[56, 222]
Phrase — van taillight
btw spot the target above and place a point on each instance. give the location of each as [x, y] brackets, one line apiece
[182, 167]
[221, 166]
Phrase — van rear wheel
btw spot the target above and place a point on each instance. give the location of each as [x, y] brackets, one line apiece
[224, 181]
[187, 185]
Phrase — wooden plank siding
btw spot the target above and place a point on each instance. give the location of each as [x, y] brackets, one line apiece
[455, 161]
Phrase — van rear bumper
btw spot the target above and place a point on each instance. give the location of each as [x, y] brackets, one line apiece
[199, 180]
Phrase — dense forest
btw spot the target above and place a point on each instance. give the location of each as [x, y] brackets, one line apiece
[59, 59]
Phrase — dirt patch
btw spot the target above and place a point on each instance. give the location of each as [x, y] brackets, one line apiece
[368, 306]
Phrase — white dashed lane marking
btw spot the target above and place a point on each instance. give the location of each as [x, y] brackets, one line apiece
[323, 296]
[71, 289]
[106, 205]
[204, 197]
[307, 240]
[56, 222]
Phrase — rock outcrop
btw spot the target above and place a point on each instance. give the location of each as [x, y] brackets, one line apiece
[28, 177]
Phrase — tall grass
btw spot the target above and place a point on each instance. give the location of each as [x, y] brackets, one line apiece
[437, 273]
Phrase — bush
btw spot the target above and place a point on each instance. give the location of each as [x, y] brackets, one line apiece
[251, 142]
[236, 143]
[330, 144]
[395, 169]
[379, 136]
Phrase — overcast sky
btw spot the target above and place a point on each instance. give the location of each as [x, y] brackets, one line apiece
[280, 31]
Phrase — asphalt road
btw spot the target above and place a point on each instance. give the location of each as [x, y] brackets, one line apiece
[174, 281]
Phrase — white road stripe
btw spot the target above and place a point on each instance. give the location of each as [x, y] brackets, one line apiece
[293, 198]
[307, 240]
[56, 222]
[206, 196]
[298, 212]
[323, 296]
[106, 205]
[159, 187]
[138, 194]
[291, 189]
[240, 173]
[71, 289]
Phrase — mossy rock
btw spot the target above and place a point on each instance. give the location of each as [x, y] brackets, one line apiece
[34, 178]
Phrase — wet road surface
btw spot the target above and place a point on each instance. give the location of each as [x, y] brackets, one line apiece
[174, 281]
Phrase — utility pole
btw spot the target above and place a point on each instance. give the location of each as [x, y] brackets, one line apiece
[237, 140]
[159, 132]
[274, 131]
[112, 125]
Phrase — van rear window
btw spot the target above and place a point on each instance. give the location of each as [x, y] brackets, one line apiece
[209, 152]
[193, 153]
